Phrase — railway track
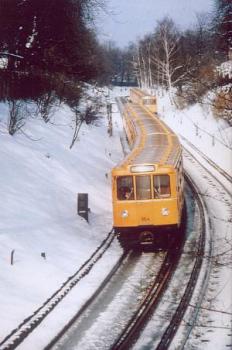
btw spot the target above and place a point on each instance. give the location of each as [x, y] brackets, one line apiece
[128, 329]
[177, 317]
[24, 329]
[216, 192]
[209, 161]
[217, 196]
[202, 257]
[153, 296]
[194, 299]
[87, 304]
[140, 317]
[134, 328]
[201, 274]
[138, 320]
[211, 180]
[113, 305]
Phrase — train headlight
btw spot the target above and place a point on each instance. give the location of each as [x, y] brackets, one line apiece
[165, 211]
[124, 214]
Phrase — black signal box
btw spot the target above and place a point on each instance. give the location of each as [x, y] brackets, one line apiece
[82, 206]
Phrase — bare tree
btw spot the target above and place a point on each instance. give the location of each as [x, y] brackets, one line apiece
[140, 65]
[16, 115]
[165, 48]
[89, 115]
[157, 61]
[78, 120]
[46, 105]
[137, 67]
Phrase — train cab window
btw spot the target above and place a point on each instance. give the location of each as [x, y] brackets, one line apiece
[149, 101]
[143, 187]
[125, 188]
[146, 101]
[162, 186]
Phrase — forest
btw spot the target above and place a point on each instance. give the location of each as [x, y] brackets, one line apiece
[190, 64]
[49, 49]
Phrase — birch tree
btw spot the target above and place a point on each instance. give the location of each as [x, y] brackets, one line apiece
[142, 63]
[165, 49]
[223, 25]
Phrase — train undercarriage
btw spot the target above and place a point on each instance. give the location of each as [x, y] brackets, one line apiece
[147, 236]
[151, 237]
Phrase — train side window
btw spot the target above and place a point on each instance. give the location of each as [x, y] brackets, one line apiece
[125, 188]
[162, 186]
[143, 187]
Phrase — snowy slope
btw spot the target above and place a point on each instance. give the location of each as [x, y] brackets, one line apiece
[197, 124]
[39, 185]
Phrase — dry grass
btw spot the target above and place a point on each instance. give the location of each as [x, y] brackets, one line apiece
[222, 105]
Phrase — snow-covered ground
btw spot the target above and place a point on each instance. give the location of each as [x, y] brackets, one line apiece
[38, 209]
[39, 185]
[198, 130]
[198, 125]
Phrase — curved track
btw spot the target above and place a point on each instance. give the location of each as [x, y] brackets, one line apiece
[153, 296]
[210, 193]
[215, 190]
[31, 322]
[116, 304]
[155, 288]
[134, 328]
[128, 328]
[139, 318]
[185, 300]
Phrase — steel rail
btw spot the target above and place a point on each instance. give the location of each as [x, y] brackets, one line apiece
[209, 161]
[132, 330]
[172, 328]
[208, 259]
[12, 340]
[87, 303]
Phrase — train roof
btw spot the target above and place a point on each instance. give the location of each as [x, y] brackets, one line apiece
[155, 143]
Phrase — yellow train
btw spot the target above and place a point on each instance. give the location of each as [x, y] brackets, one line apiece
[148, 185]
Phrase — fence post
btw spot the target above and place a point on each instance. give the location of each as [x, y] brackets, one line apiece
[12, 257]
[109, 115]
[213, 140]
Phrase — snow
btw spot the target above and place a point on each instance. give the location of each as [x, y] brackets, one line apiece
[198, 125]
[214, 327]
[225, 69]
[94, 337]
[3, 62]
[31, 37]
[39, 185]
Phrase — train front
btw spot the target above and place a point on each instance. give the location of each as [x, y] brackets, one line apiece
[145, 204]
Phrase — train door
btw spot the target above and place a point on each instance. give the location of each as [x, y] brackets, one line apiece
[179, 189]
[144, 205]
